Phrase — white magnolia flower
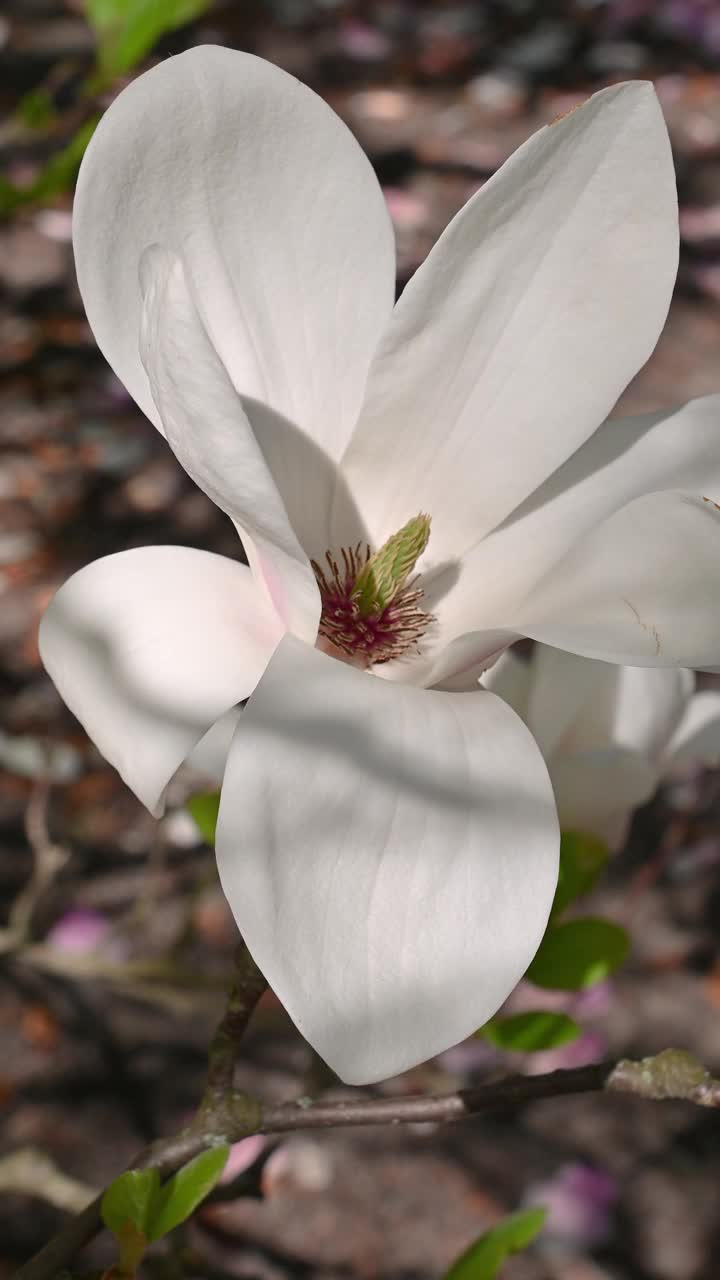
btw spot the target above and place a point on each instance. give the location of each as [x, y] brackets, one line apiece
[609, 734]
[389, 851]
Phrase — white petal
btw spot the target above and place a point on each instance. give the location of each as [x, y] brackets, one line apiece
[389, 854]
[651, 703]
[263, 192]
[511, 679]
[515, 338]
[208, 430]
[457, 666]
[678, 449]
[596, 791]
[211, 753]
[149, 647]
[697, 737]
[563, 686]
[642, 589]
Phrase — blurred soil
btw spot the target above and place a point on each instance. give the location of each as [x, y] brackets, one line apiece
[103, 1049]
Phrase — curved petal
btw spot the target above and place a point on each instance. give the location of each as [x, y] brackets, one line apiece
[581, 708]
[571, 706]
[560, 707]
[390, 856]
[209, 433]
[697, 737]
[149, 647]
[511, 679]
[456, 666]
[211, 753]
[626, 458]
[650, 705]
[513, 341]
[642, 589]
[257, 185]
[596, 791]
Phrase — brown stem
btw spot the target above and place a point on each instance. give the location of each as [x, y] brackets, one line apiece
[671, 1074]
[222, 1112]
[247, 986]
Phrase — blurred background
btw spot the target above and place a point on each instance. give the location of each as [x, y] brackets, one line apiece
[116, 940]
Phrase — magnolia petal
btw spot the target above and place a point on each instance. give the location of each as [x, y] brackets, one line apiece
[697, 737]
[562, 689]
[567, 702]
[149, 647]
[511, 679]
[211, 753]
[252, 180]
[209, 433]
[390, 856]
[597, 790]
[642, 589]
[515, 338]
[650, 704]
[677, 449]
[459, 665]
[570, 705]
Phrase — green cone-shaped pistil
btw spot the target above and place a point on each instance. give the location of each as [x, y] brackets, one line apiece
[387, 570]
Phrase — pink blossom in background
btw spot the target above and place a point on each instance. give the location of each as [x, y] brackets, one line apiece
[79, 932]
[579, 1200]
[243, 1154]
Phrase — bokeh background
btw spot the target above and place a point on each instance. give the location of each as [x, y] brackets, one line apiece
[117, 940]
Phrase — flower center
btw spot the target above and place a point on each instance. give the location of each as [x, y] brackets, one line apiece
[370, 606]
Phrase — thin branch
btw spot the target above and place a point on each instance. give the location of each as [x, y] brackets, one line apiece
[48, 859]
[671, 1074]
[222, 1113]
[247, 986]
[512, 1091]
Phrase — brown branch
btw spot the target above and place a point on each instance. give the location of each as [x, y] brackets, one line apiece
[223, 1115]
[512, 1091]
[671, 1074]
[48, 859]
[247, 986]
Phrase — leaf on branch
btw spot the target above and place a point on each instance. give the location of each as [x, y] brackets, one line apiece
[484, 1258]
[578, 954]
[182, 1194]
[530, 1032]
[203, 809]
[129, 1200]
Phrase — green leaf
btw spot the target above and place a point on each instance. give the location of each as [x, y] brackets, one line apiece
[127, 29]
[203, 808]
[582, 858]
[530, 1032]
[62, 168]
[36, 109]
[578, 954]
[181, 1196]
[129, 1201]
[484, 1258]
[57, 176]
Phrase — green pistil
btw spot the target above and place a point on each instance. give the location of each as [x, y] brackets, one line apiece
[384, 575]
